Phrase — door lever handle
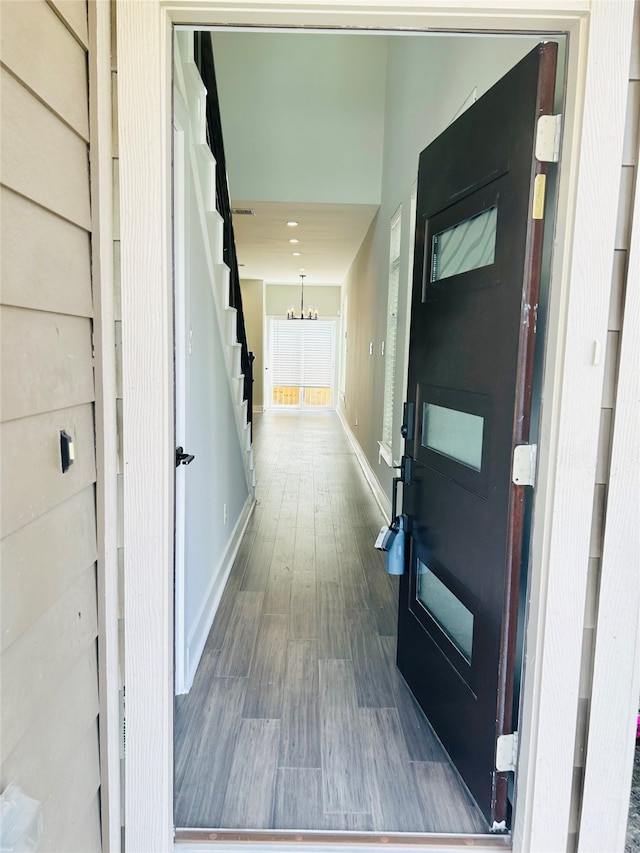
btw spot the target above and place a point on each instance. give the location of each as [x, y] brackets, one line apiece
[183, 458]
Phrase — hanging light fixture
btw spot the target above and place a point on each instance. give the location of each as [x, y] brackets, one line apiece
[311, 314]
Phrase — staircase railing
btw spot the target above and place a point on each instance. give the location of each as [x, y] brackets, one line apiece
[203, 52]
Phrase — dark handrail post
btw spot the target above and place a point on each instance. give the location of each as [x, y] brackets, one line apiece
[252, 358]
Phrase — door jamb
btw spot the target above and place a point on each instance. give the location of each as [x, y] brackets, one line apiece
[573, 384]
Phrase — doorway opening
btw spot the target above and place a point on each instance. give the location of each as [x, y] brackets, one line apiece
[265, 569]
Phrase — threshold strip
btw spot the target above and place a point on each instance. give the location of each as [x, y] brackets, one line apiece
[389, 840]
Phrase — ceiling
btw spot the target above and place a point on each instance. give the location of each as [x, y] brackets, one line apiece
[329, 236]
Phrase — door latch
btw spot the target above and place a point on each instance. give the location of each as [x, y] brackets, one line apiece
[183, 458]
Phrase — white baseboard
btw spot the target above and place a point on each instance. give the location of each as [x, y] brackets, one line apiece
[197, 637]
[382, 499]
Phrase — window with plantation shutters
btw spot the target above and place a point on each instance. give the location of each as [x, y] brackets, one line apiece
[302, 353]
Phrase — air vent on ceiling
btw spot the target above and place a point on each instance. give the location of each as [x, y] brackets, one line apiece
[243, 211]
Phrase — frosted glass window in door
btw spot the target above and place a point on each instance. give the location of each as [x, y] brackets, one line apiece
[455, 434]
[467, 245]
[449, 612]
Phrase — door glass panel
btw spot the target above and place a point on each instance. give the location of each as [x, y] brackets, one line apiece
[448, 611]
[452, 433]
[468, 245]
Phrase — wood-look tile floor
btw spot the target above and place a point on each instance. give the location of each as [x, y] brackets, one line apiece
[298, 717]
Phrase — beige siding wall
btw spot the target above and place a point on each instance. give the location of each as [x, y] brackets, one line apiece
[49, 734]
[619, 286]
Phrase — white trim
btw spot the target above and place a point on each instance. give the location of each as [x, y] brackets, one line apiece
[382, 498]
[100, 152]
[144, 102]
[569, 431]
[384, 453]
[434, 844]
[572, 386]
[180, 122]
[616, 672]
[204, 620]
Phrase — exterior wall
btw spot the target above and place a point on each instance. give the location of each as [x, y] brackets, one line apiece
[49, 607]
[619, 287]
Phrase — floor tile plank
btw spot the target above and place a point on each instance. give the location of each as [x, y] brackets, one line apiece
[266, 677]
[303, 618]
[248, 803]
[373, 684]
[327, 568]
[235, 655]
[298, 803]
[345, 778]
[445, 801]
[204, 753]
[333, 635]
[256, 572]
[300, 740]
[396, 806]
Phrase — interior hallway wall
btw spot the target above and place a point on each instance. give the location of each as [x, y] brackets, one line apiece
[279, 297]
[253, 307]
[428, 81]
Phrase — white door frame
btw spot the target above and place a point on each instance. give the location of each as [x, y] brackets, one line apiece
[599, 33]
[180, 308]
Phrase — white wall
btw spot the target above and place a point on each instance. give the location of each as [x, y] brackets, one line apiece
[216, 476]
[289, 100]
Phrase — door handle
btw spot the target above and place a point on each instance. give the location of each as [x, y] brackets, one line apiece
[183, 458]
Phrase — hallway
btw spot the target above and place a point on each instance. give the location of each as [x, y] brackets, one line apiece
[298, 718]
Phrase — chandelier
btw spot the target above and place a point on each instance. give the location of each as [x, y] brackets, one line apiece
[311, 314]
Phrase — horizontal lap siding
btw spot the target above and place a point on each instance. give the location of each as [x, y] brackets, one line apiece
[49, 723]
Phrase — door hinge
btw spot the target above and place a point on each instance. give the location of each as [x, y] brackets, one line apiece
[523, 472]
[507, 753]
[548, 135]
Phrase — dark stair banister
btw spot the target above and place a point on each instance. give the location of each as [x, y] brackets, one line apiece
[203, 52]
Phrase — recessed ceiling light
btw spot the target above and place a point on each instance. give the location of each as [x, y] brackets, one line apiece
[293, 240]
[296, 254]
[292, 224]
[302, 269]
